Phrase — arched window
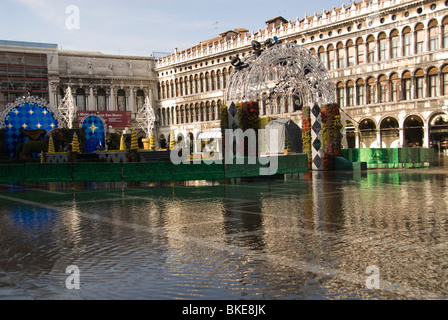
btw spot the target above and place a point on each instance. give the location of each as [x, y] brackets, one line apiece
[207, 111]
[432, 82]
[394, 44]
[341, 55]
[383, 85]
[167, 95]
[351, 53]
[371, 49]
[163, 90]
[331, 57]
[197, 84]
[445, 32]
[202, 112]
[360, 92]
[445, 80]
[407, 42]
[371, 90]
[394, 87]
[60, 94]
[361, 59]
[219, 104]
[406, 84]
[181, 87]
[177, 87]
[350, 93]
[341, 94]
[224, 79]
[207, 82]
[202, 83]
[213, 111]
[140, 100]
[433, 31]
[101, 101]
[81, 99]
[322, 55]
[121, 100]
[172, 87]
[419, 82]
[218, 80]
[383, 45]
[213, 81]
[419, 38]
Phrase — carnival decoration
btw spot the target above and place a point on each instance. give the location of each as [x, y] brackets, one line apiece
[75, 143]
[134, 140]
[67, 108]
[146, 118]
[277, 70]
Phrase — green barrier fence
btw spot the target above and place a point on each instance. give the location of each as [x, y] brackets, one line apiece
[143, 171]
[12, 173]
[49, 172]
[390, 157]
[148, 171]
[96, 172]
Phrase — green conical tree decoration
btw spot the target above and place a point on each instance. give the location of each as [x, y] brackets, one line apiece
[122, 144]
[134, 141]
[75, 143]
[51, 146]
[152, 142]
[172, 141]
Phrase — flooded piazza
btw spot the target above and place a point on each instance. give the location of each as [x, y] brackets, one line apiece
[315, 237]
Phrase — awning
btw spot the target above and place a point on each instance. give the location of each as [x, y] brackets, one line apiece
[214, 133]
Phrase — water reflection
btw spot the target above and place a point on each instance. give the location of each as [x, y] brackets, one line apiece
[311, 238]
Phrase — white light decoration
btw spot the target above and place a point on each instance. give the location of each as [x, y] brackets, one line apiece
[281, 71]
[30, 100]
[67, 108]
[146, 118]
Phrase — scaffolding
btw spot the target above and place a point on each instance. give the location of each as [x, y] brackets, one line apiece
[22, 74]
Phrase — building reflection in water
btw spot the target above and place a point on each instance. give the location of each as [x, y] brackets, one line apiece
[249, 239]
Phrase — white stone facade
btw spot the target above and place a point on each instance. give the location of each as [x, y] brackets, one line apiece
[387, 60]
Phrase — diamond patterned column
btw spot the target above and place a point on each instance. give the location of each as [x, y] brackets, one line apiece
[316, 137]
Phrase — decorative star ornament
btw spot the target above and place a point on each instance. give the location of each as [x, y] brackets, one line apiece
[93, 128]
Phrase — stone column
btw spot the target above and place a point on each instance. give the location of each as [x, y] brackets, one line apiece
[401, 135]
[111, 99]
[91, 105]
[132, 107]
[425, 136]
[357, 140]
[378, 138]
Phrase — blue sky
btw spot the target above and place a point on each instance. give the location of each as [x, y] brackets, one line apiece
[138, 27]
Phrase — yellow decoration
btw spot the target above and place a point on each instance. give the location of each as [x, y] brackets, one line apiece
[152, 142]
[75, 144]
[122, 144]
[51, 146]
[172, 141]
[134, 141]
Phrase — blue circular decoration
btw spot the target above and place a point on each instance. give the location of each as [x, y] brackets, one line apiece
[94, 131]
[27, 116]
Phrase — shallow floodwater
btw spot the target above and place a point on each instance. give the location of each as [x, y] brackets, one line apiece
[309, 238]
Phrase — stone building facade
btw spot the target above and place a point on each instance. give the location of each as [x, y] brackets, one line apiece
[99, 82]
[387, 59]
